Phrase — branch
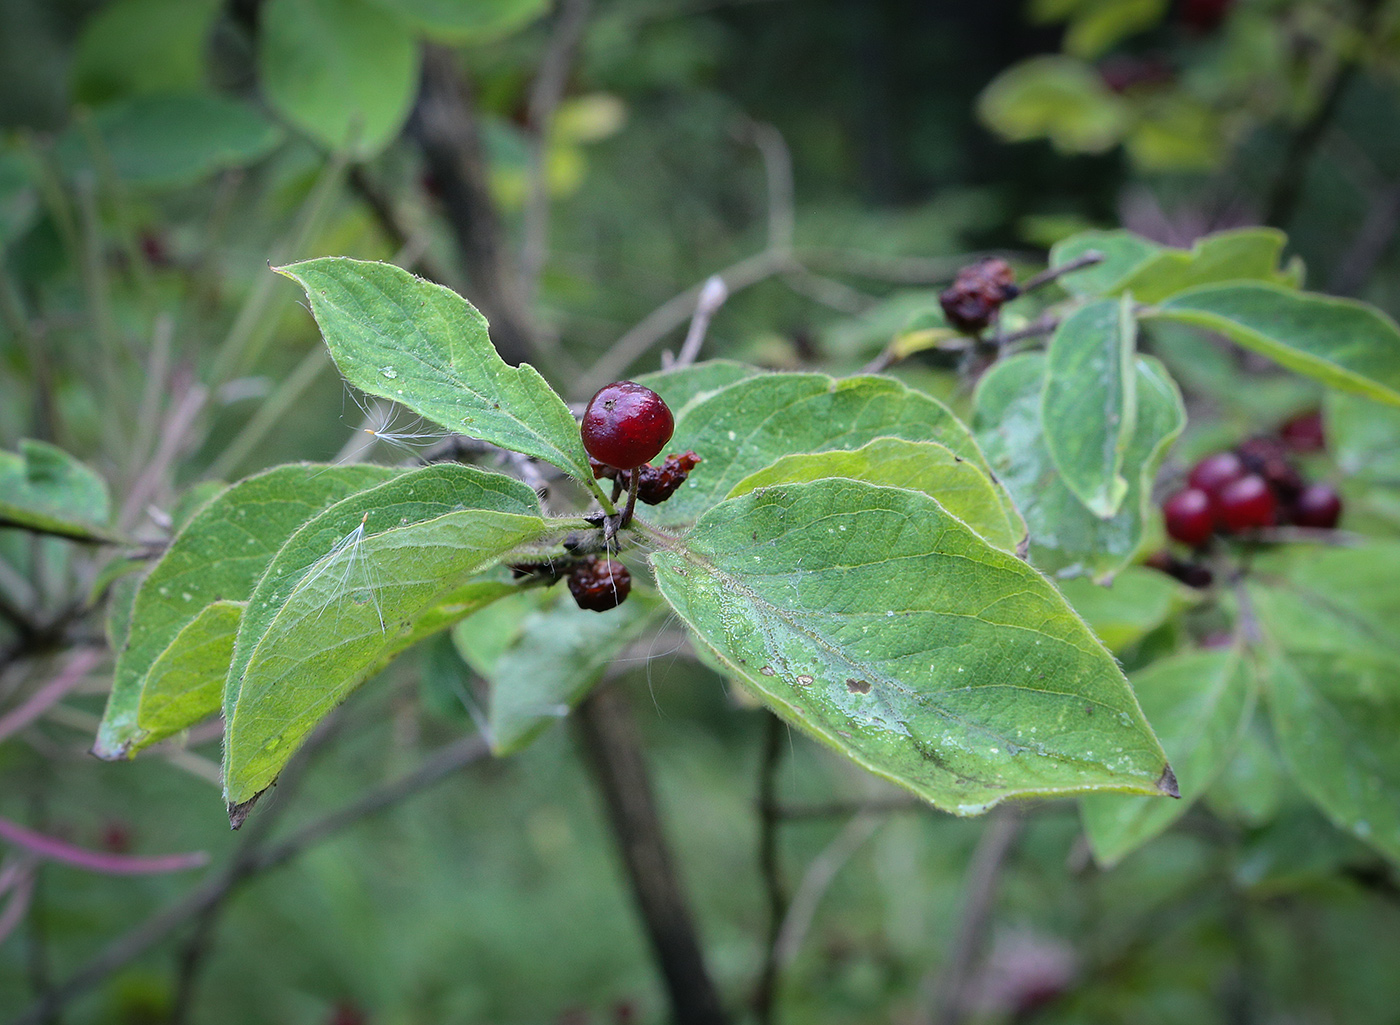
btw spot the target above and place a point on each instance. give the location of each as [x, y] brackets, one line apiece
[817, 880]
[448, 132]
[52, 849]
[770, 869]
[610, 738]
[712, 297]
[149, 933]
[548, 89]
[979, 890]
[79, 665]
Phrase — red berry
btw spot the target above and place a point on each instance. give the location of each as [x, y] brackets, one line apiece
[1188, 516]
[1248, 503]
[1214, 472]
[1317, 506]
[1204, 15]
[600, 584]
[1268, 457]
[626, 424]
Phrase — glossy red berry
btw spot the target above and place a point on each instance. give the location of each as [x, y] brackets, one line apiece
[626, 424]
[1214, 472]
[1317, 506]
[600, 584]
[1188, 516]
[1246, 504]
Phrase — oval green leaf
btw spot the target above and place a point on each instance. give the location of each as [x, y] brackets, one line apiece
[1067, 539]
[186, 684]
[1341, 342]
[219, 556]
[346, 594]
[885, 627]
[959, 486]
[748, 425]
[1199, 703]
[43, 488]
[1088, 407]
[343, 71]
[425, 347]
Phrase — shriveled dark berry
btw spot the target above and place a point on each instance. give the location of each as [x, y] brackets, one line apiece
[1317, 505]
[601, 470]
[658, 483]
[1247, 504]
[978, 292]
[1214, 472]
[600, 584]
[1304, 432]
[1188, 516]
[626, 424]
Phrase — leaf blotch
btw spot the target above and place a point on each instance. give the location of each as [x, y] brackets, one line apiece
[858, 686]
[804, 681]
[767, 671]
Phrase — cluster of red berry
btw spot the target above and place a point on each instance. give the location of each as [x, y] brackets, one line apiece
[1253, 486]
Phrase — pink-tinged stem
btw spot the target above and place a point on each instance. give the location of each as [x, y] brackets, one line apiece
[82, 663]
[97, 861]
[18, 905]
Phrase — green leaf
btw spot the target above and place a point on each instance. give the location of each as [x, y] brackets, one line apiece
[343, 71]
[1340, 342]
[142, 46]
[424, 346]
[453, 21]
[1067, 539]
[43, 488]
[186, 683]
[960, 487]
[1199, 703]
[1139, 601]
[1089, 404]
[1250, 788]
[1333, 672]
[1122, 252]
[172, 139]
[1096, 28]
[885, 627]
[1058, 98]
[345, 595]
[218, 556]
[556, 656]
[750, 424]
[1243, 254]
[1364, 437]
[684, 384]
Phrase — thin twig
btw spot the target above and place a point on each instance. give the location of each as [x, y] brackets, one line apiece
[79, 664]
[1050, 274]
[571, 16]
[712, 297]
[226, 881]
[770, 869]
[979, 892]
[174, 438]
[816, 881]
[610, 737]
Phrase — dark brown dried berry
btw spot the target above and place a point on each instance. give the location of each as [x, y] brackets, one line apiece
[601, 470]
[659, 483]
[977, 294]
[600, 584]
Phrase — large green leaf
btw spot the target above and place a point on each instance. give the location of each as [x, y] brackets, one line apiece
[1088, 407]
[1199, 702]
[425, 347]
[752, 423]
[347, 592]
[142, 46]
[1340, 342]
[44, 488]
[1334, 684]
[457, 21]
[343, 71]
[186, 683]
[885, 627]
[552, 656]
[1239, 255]
[960, 487]
[1364, 437]
[1122, 252]
[1058, 98]
[678, 387]
[1066, 538]
[170, 139]
[219, 556]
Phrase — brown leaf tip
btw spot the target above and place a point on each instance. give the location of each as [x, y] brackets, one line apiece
[1167, 783]
[238, 813]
